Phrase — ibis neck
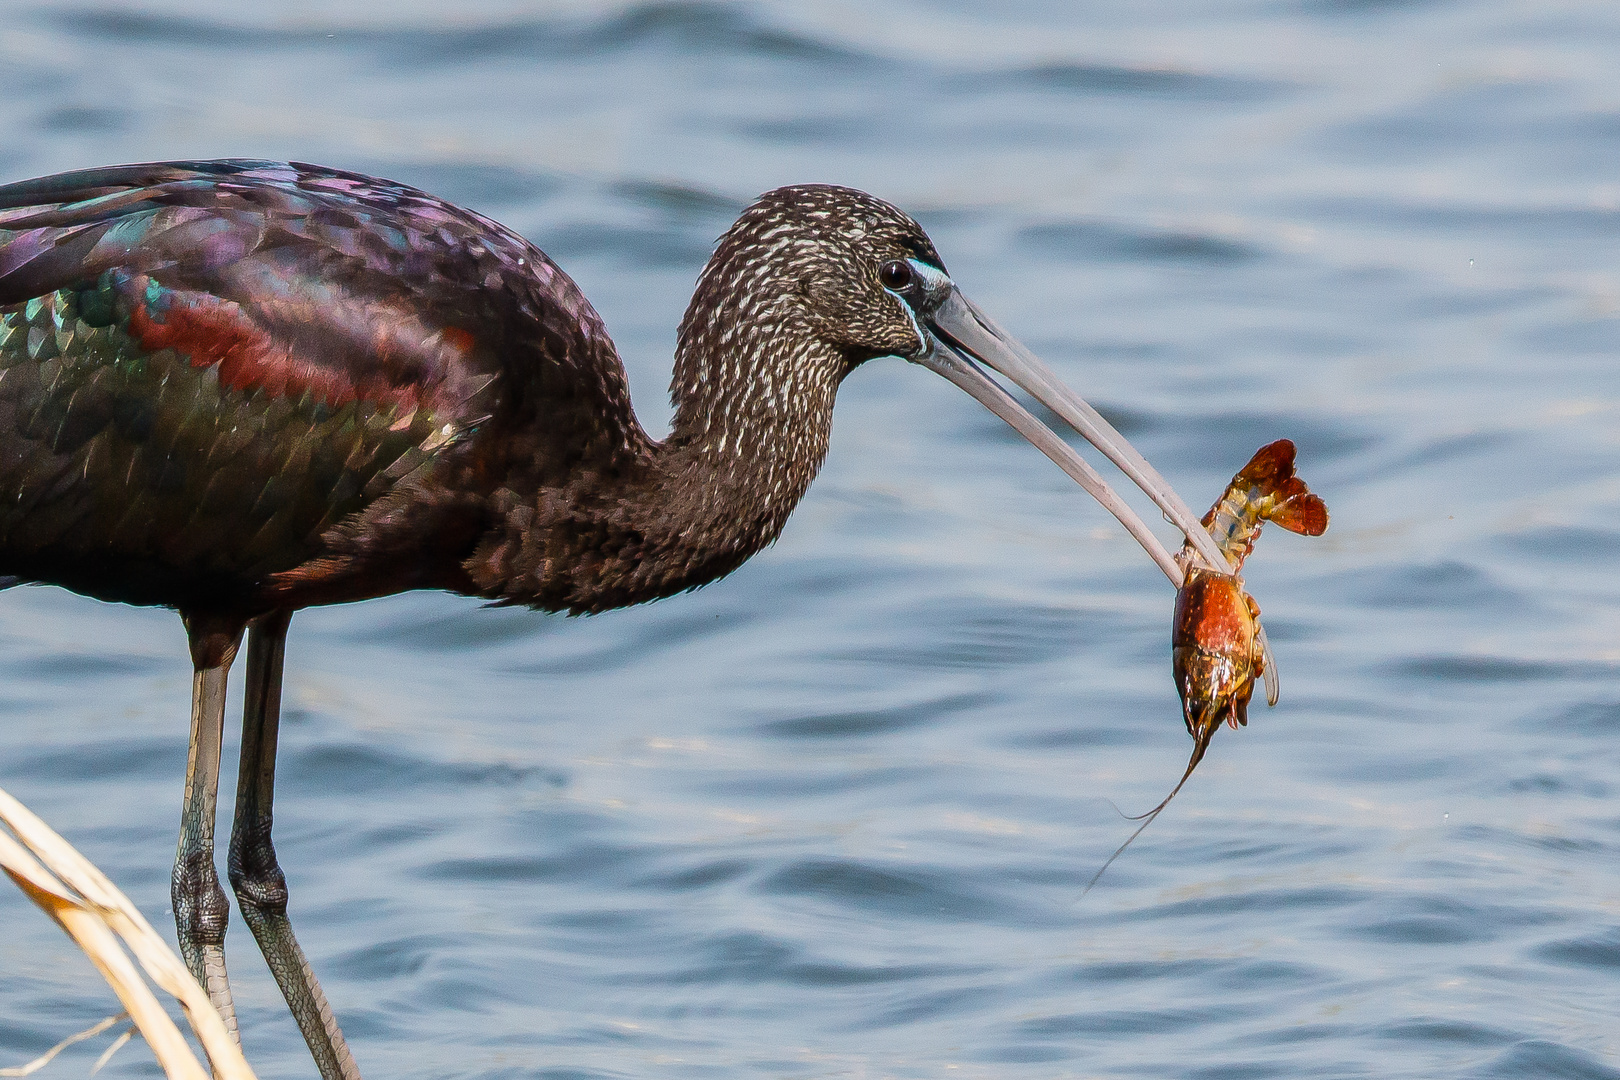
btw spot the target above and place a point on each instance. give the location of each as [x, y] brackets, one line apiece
[750, 433]
[752, 421]
[747, 440]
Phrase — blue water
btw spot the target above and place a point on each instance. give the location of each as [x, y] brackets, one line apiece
[832, 816]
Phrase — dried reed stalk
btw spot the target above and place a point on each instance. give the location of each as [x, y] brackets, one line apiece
[95, 914]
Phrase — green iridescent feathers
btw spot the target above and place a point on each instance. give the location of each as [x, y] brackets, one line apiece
[110, 446]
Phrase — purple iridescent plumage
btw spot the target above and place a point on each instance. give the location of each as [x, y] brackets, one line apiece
[265, 369]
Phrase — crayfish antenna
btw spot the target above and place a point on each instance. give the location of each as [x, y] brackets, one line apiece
[1199, 746]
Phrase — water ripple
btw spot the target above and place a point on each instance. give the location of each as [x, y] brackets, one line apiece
[1110, 79]
[684, 27]
[832, 815]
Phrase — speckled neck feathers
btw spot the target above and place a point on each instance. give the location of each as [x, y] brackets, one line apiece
[774, 326]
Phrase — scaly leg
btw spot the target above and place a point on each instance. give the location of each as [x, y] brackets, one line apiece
[261, 890]
[200, 908]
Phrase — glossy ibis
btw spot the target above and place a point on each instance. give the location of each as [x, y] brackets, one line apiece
[240, 388]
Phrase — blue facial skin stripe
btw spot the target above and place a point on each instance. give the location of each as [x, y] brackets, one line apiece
[933, 280]
[932, 277]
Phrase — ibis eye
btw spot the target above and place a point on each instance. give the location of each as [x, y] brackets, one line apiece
[895, 274]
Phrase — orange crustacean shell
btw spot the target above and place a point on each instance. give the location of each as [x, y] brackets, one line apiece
[1214, 651]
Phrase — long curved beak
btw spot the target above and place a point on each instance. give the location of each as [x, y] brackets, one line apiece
[962, 338]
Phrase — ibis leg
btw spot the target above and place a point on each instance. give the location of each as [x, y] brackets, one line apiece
[200, 908]
[261, 889]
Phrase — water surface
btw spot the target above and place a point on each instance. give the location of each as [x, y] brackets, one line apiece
[831, 816]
